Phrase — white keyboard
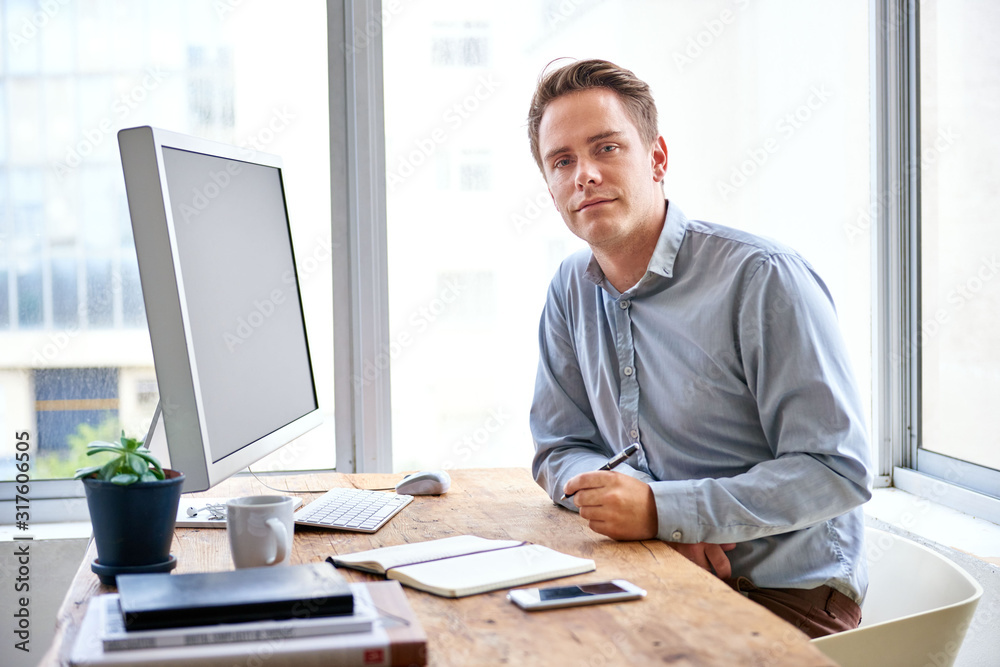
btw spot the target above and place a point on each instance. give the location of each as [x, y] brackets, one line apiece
[352, 509]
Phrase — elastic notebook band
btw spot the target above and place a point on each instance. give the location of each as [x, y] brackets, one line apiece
[472, 553]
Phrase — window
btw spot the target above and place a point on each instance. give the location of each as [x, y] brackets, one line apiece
[959, 331]
[765, 110]
[75, 360]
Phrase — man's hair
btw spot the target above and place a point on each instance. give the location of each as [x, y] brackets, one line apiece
[584, 75]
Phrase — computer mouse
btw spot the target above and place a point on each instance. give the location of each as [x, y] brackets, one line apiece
[426, 483]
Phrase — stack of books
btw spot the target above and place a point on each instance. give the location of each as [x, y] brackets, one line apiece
[295, 615]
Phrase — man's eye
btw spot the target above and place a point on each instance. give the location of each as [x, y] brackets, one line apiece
[562, 163]
[608, 149]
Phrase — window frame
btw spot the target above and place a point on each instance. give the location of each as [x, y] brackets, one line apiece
[362, 410]
[902, 462]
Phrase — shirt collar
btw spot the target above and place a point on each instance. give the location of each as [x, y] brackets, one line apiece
[667, 245]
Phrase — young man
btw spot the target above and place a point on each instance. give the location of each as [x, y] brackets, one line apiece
[718, 352]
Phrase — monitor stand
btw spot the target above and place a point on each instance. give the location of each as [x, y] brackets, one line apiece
[156, 437]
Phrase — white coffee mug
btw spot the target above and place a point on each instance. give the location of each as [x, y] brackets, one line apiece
[260, 530]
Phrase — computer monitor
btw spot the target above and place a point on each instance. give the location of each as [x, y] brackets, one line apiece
[222, 299]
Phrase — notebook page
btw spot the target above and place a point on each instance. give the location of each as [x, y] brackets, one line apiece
[385, 558]
[490, 570]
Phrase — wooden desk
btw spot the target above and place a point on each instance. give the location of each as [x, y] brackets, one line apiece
[689, 617]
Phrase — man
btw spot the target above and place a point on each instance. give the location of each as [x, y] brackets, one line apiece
[718, 352]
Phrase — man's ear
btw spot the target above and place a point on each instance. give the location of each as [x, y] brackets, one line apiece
[658, 156]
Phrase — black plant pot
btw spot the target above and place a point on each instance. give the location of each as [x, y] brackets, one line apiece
[133, 525]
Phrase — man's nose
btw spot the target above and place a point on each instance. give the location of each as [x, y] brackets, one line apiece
[587, 173]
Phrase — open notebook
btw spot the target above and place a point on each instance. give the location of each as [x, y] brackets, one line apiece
[465, 565]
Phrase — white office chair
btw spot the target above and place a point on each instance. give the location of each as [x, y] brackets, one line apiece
[918, 607]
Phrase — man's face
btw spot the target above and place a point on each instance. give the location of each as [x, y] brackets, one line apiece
[602, 177]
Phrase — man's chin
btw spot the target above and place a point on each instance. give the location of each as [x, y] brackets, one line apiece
[595, 234]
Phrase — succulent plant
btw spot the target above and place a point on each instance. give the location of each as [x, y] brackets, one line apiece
[131, 462]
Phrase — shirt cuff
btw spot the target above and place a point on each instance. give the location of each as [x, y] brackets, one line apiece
[677, 512]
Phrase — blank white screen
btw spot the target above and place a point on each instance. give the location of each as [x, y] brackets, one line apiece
[244, 318]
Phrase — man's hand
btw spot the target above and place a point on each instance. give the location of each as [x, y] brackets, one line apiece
[623, 508]
[711, 557]
[616, 505]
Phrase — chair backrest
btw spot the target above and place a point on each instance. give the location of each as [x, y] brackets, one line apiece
[918, 607]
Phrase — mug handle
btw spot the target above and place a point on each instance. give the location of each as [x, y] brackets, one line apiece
[280, 540]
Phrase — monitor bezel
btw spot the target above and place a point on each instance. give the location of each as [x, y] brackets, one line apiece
[188, 448]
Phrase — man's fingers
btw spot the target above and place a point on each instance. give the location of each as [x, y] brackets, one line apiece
[700, 560]
[586, 480]
[710, 557]
[720, 562]
[693, 552]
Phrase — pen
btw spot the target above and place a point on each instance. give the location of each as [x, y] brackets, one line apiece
[616, 461]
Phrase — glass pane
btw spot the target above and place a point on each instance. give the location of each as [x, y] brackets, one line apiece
[6, 236]
[100, 293]
[25, 48]
[24, 132]
[55, 34]
[62, 209]
[3, 135]
[959, 335]
[71, 299]
[29, 294]
[133, 311]
[65, 297]
[4, 296]
[765, 110]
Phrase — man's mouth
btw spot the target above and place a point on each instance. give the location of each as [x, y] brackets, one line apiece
[590, 203]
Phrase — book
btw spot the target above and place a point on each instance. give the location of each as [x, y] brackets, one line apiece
[114, 636]
[396, 639]
[466, 564]
[164, 600]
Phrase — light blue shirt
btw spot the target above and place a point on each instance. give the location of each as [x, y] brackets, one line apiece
[726, 364]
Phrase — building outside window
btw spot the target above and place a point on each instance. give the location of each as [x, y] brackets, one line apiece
[75, 358]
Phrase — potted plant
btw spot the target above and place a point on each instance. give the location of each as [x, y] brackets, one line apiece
[133, 506]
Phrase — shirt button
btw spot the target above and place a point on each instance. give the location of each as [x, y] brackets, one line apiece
[633, 434]
[624, 304]
[628, 370]
[676, 536]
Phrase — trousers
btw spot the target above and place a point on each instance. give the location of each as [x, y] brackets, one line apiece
[816, 611]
